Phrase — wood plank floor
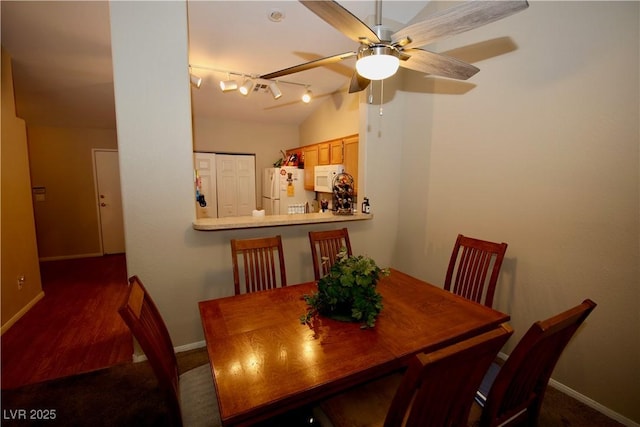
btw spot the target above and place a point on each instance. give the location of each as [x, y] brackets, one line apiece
[75, 327]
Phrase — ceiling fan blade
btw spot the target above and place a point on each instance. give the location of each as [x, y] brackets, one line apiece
[358, 83]
[438, 65]
[308, 65]
[341, 19]
[458, 19]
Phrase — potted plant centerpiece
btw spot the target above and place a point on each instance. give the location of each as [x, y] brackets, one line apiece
[348, 291]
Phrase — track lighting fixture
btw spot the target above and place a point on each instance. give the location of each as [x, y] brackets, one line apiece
[306, 96]
[195, 81]
[249, 83]
[246, 87]
[275, 90]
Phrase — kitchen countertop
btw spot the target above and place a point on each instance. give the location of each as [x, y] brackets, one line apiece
[215, 224]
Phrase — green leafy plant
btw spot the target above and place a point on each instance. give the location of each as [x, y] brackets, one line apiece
[348, 291]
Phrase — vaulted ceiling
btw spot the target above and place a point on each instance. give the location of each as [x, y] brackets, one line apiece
[62, 57]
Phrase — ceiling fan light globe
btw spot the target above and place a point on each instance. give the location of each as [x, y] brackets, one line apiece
[377, 62]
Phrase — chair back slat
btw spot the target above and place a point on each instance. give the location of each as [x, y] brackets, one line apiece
[325, 246]
[519, 386]
[472, 273]
[329, 250]
[142, 317]
[437, 389]
[262, 264]
[470, 264]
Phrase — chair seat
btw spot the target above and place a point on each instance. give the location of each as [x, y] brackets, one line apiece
[364, 406]
[198, 398]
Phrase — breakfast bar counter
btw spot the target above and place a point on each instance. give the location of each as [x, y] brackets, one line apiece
[230, 223]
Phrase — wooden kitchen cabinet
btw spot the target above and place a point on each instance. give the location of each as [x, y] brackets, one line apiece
[342, 151]
[350, 158]
[310, 155]
[324, 153]
[336, 152]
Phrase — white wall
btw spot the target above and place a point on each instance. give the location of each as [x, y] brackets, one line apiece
[340, 109]
[61, 160]
[151, 82]
[543, 153]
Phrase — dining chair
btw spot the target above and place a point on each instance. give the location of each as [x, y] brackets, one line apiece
[191, 396]
[126, 394]
[436, 390]
[471, 261]
[325, 246]
[512, 394]
[262, 263]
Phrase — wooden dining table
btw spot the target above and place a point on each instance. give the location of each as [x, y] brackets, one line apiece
[266, 362]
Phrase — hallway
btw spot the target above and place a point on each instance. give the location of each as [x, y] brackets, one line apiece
[75, 327]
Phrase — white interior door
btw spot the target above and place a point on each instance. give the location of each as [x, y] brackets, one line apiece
[226, 180]
[107, 173]
[246, 184]
[236, 182]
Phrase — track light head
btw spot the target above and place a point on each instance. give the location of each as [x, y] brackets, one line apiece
[275, 90]
[246, 87]
[196, 81]
[306, 97]
[228, 85]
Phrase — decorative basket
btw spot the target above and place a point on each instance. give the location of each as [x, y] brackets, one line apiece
[343, 194]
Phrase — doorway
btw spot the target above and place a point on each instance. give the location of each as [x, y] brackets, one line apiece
[109, 201]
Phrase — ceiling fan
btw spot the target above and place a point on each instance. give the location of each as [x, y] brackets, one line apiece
[381, 52]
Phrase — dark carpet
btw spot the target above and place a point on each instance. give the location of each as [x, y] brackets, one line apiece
[121, 395]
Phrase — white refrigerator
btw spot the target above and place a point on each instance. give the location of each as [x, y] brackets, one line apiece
[283, 191]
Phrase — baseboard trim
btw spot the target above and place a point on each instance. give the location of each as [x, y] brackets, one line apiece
[191, 346]
[593, 404]
[179, 349]
[586, 400]
[21, 313]
[63, 257]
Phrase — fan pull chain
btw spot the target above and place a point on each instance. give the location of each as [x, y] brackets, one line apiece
[381, 96]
